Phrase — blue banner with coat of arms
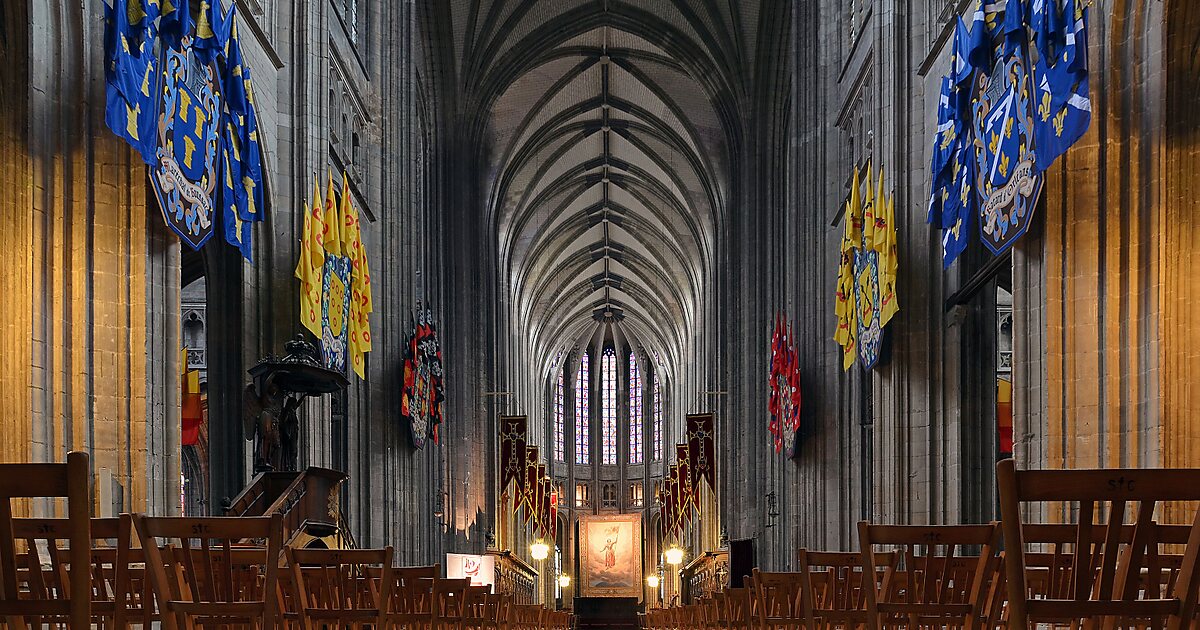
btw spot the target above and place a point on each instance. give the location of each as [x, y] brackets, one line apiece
[1015, 99]
[179, 93]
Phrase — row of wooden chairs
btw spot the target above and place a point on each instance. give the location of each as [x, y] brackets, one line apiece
[1115, 566]
[81, 572]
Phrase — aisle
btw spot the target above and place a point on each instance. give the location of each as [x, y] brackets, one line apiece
[616, 613]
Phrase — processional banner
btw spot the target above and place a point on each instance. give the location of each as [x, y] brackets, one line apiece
[512, 453]
[701, 437]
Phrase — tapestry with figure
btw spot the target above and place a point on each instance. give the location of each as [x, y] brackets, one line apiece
[610, 556]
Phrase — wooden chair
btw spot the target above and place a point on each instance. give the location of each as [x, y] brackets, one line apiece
[70, 480]
[936, 584]
[413, 603]
[1118, 579]
[120, 594]
[483, 610]
[836, 584]
[713, 610]
[449, 603]
[739, 604]
[335, 587]
[198, 584]
[530, 617]
[780, 599]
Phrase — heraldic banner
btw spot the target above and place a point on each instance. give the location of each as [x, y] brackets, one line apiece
[178, 91]
[701, 438]
[423, 388]
[1016, 98]
[513, 435]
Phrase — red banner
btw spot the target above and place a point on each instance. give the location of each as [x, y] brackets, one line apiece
[529, 498]
[512, 453]
[543, 501]
[688, 502]
[701, 437]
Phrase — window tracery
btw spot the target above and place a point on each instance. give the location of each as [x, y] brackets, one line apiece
[635, 411]
[608, 406]
[582, 424]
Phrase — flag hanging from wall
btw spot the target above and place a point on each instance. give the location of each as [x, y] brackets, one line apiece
[178, 91]
[690, 499]
[1027, 99]
[867, 296]
[513, 442]
[846, 332]
[192, 404]
[1062, 96]
[242, 198]
[531, 482]
[311, 266]
[424, 382]
[360, 282]
[701, 435]
[783, 404]
[335, 289]
[131, 74]
[544, 501]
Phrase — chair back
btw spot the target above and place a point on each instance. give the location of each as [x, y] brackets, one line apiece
[203, 577]
[838, 583]
[739, 602]
[119, 589]
[781, 599]
[942, 577]
[1112, 570]
[449, 599]
[412, 601]
[341, 586]
[27, 481]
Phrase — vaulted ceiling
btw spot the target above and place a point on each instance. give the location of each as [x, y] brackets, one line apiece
[607, 131]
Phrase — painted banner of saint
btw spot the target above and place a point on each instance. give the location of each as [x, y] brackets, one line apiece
[611, 556]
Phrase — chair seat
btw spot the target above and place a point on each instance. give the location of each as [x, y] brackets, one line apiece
[225, 610]
[925, 609]
[1067, 609]
[28, 607]
[344, 615]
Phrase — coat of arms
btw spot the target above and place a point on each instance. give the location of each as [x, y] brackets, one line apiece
[867, 306]
[421, 400]
[184, 175]
[1006, 178]
[335, 312]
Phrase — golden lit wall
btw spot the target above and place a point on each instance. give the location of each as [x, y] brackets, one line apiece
[1122, 242]
[1180, 166]
[80, 344]
[1102, 244]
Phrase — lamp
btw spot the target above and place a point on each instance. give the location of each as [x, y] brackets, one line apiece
[539, 550]
[674, 556]
[652, 581]
[564, 581]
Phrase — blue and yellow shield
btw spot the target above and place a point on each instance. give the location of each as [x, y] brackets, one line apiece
[184, 175]
[1007, 182]
[867, 306]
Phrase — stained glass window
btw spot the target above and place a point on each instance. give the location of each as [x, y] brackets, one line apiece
[657, 420]
[608, 405]
[559, 454]
[582, 443]
[635, 411]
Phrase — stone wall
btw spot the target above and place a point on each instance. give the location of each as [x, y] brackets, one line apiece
[91, 324]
